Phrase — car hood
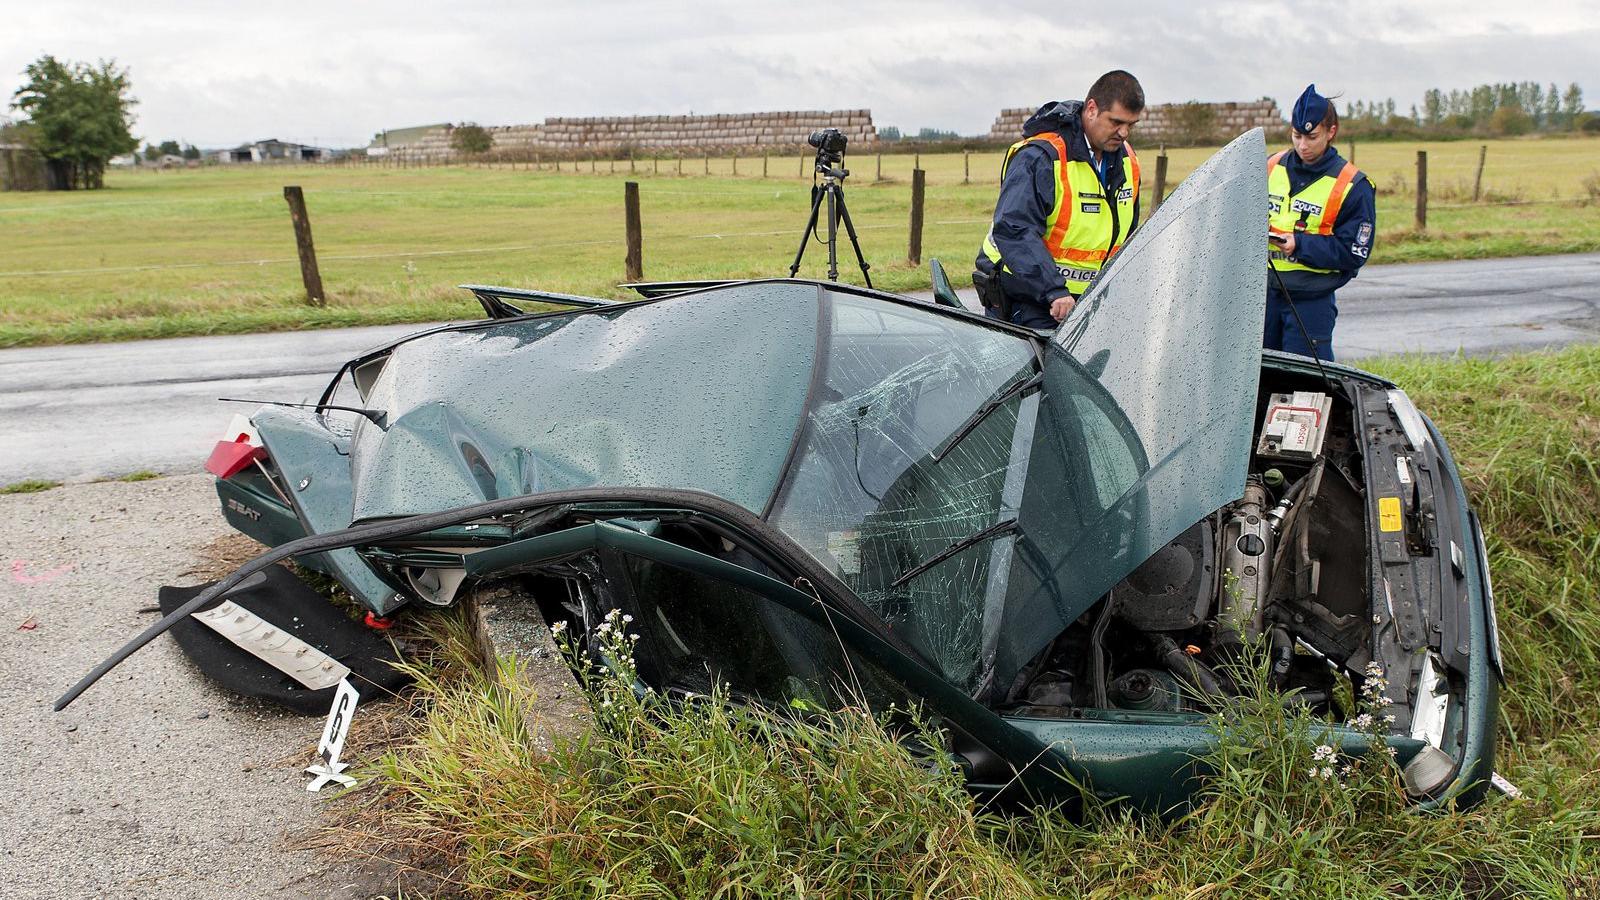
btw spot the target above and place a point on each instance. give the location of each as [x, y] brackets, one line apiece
[696, 393]
[1149, 396]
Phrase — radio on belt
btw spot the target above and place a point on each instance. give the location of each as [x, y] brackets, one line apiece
[1294, 426]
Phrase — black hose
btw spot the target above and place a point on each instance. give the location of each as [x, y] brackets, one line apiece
[1282, 656]
[365, 534]
[1191, 670]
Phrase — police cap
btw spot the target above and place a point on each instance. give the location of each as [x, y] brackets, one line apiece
[1309, 110]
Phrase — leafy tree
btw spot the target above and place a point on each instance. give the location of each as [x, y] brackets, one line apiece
[889, 133]
[151, 152]
[1194, 122]
[78, 116]
[1552, 106]
[470, 138]
[171, 148]
[1571, 104]
[1482, 102]
[1433, 107]
[1510, 121]
[190, 151]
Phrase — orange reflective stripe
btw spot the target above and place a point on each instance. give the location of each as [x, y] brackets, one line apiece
[1341, 187]
[1074, 255]
[1274, 160]
[1134, 162]
[1058, 234]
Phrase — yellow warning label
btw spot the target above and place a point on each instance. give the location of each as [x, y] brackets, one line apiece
[1389, 514]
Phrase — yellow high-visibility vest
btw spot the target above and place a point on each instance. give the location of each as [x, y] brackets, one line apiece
[1315, 210]
[1084, 228]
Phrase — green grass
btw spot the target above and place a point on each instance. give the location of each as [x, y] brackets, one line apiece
[137, 475]
[711, 801]
[30, 486]
[160, 254]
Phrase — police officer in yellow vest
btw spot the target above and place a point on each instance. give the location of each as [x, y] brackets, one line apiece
[1069, 198]
[1321, 219]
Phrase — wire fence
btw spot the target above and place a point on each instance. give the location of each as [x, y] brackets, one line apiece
[953, 168]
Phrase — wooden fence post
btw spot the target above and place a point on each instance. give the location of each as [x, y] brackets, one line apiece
[1422, 190]
[680, 162]
[1161, 179]
[308, 251]
[736, 165]
[708, 162]
[630, 162]
[918, 184]
[635, 259]
[802, 165]
[1477, 182]
[880, 168]
[655, 164]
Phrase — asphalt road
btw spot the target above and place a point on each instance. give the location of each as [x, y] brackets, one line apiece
[156, 783]
[82, 412]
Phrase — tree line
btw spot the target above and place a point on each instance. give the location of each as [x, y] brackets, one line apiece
[1507, 109]
[153, 152]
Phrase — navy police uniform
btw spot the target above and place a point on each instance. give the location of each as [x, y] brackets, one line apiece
[1060, 216]
[1330, 207]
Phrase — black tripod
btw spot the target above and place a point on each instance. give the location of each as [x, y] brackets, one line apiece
[831, 167]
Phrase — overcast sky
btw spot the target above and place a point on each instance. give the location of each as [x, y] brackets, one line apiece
[336, 71]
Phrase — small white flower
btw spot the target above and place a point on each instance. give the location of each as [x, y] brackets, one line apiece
[605, 628]
[1327, 772]
[1314, 771]
[1390, 751]
[1322, 753]
[1388, 720]
[1363, 721]
[626, 619]
[559, 627]
[612, 615]
[605, 704]
[634, 638]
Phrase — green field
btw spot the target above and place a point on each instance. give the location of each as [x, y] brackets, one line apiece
[212, 250]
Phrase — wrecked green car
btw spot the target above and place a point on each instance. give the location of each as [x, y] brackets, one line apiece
[813, 494]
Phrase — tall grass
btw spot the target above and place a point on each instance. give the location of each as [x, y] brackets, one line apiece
[711, 800]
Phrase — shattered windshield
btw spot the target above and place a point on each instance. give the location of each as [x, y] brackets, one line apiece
[879, 488]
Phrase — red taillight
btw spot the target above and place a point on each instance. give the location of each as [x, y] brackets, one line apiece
[229, 458]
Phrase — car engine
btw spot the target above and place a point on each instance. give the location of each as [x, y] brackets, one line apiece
[1283, 568]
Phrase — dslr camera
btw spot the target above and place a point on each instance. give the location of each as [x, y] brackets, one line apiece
[830, 144]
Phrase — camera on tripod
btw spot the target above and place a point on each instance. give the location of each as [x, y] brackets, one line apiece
[830, 143]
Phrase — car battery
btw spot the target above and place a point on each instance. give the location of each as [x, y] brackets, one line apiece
[1294, 426]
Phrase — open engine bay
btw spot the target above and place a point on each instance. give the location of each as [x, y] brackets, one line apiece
[1339, 561]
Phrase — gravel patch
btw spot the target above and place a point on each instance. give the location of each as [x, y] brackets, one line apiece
[155, 783]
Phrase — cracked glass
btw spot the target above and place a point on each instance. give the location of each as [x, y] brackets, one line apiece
[878, 487]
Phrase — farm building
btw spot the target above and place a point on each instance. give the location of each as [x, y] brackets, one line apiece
[23, 169]
[272, 150]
